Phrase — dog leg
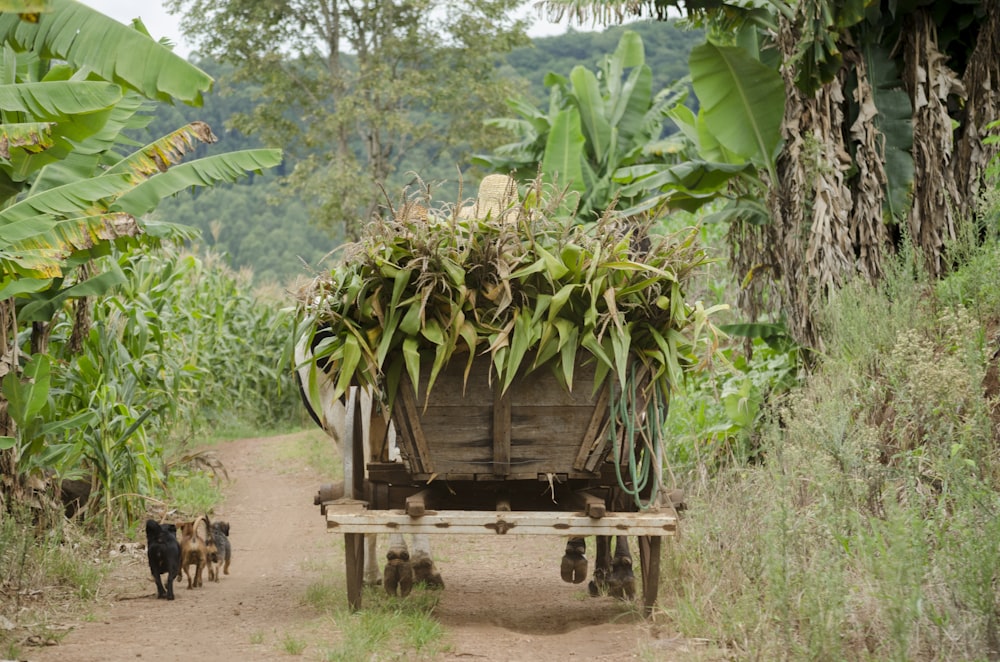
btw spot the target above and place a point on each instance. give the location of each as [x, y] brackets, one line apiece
[172, 574]
[160, 592]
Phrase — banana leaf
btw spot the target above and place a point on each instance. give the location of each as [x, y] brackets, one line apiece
[743, 100]
[208, 171]
[83, 37]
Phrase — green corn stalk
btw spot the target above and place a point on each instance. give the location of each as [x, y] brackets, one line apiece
[525, 294]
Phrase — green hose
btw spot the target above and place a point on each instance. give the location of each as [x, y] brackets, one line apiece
[641, 439]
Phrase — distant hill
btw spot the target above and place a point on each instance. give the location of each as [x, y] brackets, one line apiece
[667, 48]
[262, 228]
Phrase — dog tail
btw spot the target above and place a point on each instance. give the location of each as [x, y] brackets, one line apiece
[203, 527]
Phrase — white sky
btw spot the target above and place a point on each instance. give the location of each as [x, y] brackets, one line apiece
[161, 24]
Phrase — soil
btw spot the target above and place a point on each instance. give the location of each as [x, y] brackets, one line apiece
[504, 599]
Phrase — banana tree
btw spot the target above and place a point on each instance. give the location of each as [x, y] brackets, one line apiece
[883, 129]
[595, 125]
[72, 83]
[731, 141]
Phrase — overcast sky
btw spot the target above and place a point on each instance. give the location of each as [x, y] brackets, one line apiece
[161, 24]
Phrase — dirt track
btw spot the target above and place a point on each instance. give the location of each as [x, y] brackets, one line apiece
[504, 599]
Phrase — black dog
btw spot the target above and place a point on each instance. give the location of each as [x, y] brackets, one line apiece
[164, 554]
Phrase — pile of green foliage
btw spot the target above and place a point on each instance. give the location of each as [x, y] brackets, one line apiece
[523, 287]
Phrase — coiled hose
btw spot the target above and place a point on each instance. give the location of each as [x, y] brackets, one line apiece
[641, 439]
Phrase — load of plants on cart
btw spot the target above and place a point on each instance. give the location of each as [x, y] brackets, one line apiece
[525, 288]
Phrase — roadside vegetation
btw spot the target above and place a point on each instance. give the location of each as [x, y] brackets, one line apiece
[855, 515]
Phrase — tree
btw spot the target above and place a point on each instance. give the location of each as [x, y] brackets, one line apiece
[73, 81]
[350, 86]
[595, 124]
[881, 137]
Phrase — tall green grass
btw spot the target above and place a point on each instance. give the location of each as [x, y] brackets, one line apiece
[387, 629]
[867, 526]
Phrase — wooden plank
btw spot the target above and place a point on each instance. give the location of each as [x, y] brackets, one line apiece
[352, 437]
[417, 504]
[595, 435]
[469, 425]
[424, 462]
[465, 431]
[389, 472]
[379, 431]
[358, 450]
[591, 504]
[550, 423]
[514, 475]
[501, 433]
[449, 387]
[404, 434]
[522, 523]
[599, 454]
[541, 386]
[354, 558]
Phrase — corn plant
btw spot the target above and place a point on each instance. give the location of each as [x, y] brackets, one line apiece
[180, 344]
[521, 288]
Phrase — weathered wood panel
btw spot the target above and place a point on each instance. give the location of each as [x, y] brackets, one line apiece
[469, 429]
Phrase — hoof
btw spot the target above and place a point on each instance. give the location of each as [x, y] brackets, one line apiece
[398, 574]
[424, 571]
[621, 585]
[573, 568]
[599, 585]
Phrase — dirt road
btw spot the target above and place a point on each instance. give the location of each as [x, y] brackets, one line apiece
[504, 599]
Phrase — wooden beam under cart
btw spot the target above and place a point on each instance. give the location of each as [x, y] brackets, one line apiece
[357, 519]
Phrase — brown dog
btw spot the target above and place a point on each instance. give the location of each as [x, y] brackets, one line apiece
[193, 537]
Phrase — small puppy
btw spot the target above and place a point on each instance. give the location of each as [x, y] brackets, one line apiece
[219, 560]
[164, 555]
[194, 538]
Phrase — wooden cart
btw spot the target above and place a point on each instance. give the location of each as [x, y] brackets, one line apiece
[533, 461]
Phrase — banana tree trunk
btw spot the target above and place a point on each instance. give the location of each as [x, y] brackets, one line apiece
[840, 201]
[8, 362]
[808, 247]
[982, 106]
[936, 196]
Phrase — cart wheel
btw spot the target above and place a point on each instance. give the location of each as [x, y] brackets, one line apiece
[650, 548]
[354, 548]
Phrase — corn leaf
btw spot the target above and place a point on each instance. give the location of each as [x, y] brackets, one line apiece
[411, 355]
